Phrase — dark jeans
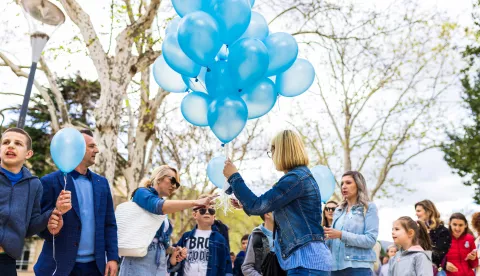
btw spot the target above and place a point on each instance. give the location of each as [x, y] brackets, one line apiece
[300, 271]
[85, 269]
[8, 265]
[353, 272]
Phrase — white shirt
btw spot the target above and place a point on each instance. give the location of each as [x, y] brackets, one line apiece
[197, 260]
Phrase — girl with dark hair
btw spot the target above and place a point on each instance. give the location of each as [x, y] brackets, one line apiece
[462, 256]
[439, 235]
[414, 257]
[327, 216]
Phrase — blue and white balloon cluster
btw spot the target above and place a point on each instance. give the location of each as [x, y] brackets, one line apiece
[223, 53]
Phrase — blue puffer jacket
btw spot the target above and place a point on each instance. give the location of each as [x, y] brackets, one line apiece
[20, 212]
[296, 204]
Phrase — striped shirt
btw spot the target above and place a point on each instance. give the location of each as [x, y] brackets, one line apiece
[314, 255]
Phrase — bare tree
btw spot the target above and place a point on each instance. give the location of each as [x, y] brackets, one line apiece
[381, 81]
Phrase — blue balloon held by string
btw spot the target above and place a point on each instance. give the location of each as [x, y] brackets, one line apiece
[194, 108]
[325, 180]
[247, 61]
[215, 171]
[296, 80]
[233, 17]
[176, 58]
[227, 116]
[198, 83]
[166, 77]
[199, 37]
[260, 98]
[282, 50]
[67, 149]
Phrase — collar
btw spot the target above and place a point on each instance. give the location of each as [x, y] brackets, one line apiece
[153, 190]
[76, 174]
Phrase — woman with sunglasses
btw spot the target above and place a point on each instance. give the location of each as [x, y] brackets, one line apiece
[162, 183]
[327, 217]
[296, 204]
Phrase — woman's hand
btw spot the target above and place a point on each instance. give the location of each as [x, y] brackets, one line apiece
[472, 256]
[229, 169]
[451, 267]
[236, 203]
[204, 202]
[331, 234]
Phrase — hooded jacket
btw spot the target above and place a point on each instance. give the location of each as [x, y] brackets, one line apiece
[412, 262]
[20, 211]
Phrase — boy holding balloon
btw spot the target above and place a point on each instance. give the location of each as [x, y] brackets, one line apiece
[20, 210]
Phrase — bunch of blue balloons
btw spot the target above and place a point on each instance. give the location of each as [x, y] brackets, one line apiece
[223, 54]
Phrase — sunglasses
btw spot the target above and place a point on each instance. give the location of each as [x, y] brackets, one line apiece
[173, 181]
[330, 209]
[203, 211]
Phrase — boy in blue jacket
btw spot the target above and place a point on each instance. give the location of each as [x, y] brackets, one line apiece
[207, 250]
[21, 193]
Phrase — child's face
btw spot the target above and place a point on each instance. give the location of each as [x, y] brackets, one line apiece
[14, 150]
[203, 216]
[399, 234]
[392, 251]
[244, 245]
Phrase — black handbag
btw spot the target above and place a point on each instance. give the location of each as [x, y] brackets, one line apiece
[270, 266]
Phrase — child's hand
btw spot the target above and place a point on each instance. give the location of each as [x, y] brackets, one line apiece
[472, 256]
[451, 267]
[64, 201]
[182, 255]
[55, 222]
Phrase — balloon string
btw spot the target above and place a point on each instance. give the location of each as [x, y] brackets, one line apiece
[224, 200]
[193, 83]
[53, 236]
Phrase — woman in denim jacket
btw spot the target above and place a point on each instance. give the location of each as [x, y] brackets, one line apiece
[355, 229]
[163, 182]
[296, 204]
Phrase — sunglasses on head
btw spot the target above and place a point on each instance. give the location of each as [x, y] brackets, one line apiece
[203, 211]
[330, 209]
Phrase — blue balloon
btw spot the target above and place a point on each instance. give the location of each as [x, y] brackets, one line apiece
[296, 80]
[218, 80]
[199, 37]
[252, 2]
[166, 77]
[325, 180]
[260, 98]
[67, 149]
[184, 7]
[215, 171]
[258, 27]
[247, 61]
[198, 83]
[282, 50]
[227, 116]
[176, 58]
[194, 108]
[233, 17]
[223, 53]
[173, 25]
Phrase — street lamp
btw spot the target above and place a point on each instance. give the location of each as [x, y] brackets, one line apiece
[43, 19]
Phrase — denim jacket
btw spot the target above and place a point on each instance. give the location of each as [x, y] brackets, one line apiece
[359, 234]
[296, 204]
[219, 262]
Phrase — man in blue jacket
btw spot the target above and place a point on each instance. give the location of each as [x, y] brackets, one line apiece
[87, 244]
[207, 250]
[20, 195]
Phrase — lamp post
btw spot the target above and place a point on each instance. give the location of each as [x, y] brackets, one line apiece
[43, 19]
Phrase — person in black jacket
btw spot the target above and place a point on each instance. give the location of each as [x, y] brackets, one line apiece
[439, 234]
[237, 266]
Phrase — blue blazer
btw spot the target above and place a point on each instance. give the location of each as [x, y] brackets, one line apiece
[66, 242]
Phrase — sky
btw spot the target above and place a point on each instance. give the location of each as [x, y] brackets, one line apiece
[430, 176]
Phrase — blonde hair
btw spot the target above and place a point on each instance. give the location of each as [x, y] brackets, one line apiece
[433, 220]
[362, 192]
[159, 173]
[289, 151]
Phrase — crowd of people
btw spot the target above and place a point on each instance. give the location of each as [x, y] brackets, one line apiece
[75, 215]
